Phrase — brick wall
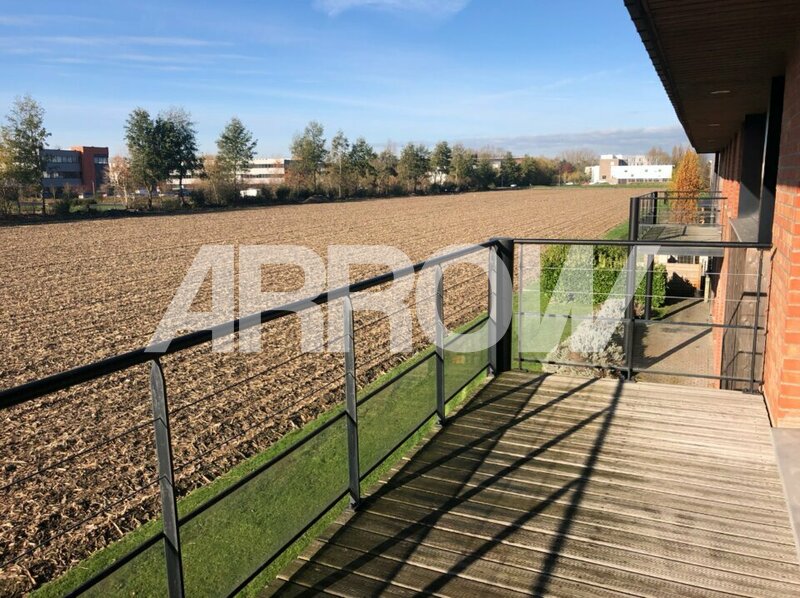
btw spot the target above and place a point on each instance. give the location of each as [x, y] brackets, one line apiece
[782, 355]
[730, 162]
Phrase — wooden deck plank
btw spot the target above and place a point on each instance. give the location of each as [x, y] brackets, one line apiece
[520, 483]
[513, 568]
[391, 569]
[598, 508]
[565, 486]
[634, 412]
[509, 508]
[316, 577]
[614, 546]
[556, 427]
[661, 468]
[723, 491]
[507, 570]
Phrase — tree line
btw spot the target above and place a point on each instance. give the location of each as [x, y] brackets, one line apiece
[341, 168]
[163, 148]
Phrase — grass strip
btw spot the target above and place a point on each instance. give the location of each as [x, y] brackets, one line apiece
[225, 544]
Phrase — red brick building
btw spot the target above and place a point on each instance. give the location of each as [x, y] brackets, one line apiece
[94, 165]
[732, 72]
[81, 168]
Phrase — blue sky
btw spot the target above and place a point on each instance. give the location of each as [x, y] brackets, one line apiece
[526, 75]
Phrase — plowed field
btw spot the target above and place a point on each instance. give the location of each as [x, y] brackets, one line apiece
[78, 466]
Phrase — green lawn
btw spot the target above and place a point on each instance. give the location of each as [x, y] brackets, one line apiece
[618, 233]
[230, 540]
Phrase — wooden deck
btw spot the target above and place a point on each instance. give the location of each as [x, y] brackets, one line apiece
[570, 487]
[680, 232]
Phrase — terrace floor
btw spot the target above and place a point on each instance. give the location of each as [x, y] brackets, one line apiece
[547, 485]
[673, 348]
[680, 232]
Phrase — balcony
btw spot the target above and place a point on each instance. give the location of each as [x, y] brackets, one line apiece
[678, 216]
[563, 455]
[549, 485]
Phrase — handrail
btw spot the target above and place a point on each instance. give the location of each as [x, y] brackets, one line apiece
[500, 298]
[629, 369]
[173, 524]
[646, 243]
[666, 194]
[63, 380]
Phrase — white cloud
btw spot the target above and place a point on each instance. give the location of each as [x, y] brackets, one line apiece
[435, 8]
[617, 141]
[41, 20]
[129, 40]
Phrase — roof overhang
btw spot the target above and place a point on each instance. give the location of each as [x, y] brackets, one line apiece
[716, 59]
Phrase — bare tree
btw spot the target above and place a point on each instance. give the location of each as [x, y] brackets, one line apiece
[119, 177]
[656, 155]
[580, 158]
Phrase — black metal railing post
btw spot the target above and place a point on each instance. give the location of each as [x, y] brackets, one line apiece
[648, 288]
[654, 219]
[440, 391]
[351, 404]
[630, 289]
[633, 219]
[756, 317]
[166, 481]
[520, 305]
[501, 302]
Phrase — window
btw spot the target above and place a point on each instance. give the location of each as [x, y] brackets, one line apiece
[61, 159]
[101, 159]
[61, 175]
[688, 259]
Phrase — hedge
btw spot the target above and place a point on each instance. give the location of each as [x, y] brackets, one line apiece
[607, 262]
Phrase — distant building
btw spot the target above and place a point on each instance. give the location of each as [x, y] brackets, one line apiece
[623, 174]
[266, 171]
[617, 169]
[637, 160]
[262, 171]
[82, 168]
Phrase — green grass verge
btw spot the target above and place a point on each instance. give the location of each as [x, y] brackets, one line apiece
[617, 233]
[227, 542]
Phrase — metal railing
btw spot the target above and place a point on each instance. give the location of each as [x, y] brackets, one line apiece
[725, 303]
[449, 376]
[650, 214]
[429, 383]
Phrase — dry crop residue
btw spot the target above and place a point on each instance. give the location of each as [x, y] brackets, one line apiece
[78, 467]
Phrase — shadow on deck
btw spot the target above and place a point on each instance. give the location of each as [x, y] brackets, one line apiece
[547, 485]
[680, 232]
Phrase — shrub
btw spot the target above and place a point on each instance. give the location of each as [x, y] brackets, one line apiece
[396, 190]
[83, 203]
[170, 203]
[62, 206]
[608, 263]
[298, 194]
[659, 287]
[265, 194]
[198, 198]
[283, 193]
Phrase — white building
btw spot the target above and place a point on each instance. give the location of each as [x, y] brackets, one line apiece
[624, 174]
[615, 169]
[637, 160]
[265, 171]
[261, 172]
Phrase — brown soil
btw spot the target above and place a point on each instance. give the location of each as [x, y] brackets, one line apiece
[76, 292]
